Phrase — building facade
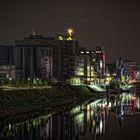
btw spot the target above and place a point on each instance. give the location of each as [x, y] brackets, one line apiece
[127, 70]
[7, 67]
[33, 57]
[46, 57]
[53, 58]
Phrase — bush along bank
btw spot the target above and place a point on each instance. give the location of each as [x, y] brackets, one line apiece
[16, 102]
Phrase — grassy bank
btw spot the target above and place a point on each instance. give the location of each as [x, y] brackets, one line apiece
[32, 100]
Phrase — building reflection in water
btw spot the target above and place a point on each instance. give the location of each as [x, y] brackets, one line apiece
[88, 120]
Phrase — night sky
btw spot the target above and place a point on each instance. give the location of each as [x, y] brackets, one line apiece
[112, 23]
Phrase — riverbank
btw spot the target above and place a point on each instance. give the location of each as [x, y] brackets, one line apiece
[16, 102]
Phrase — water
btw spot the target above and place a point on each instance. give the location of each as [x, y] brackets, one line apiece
[114, 119]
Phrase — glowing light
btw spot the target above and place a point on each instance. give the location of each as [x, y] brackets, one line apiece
[10, 126]
[10, 78]
[101, 64]
[98, 52]
[97, 88]
[69, 38]
[70, 31]
[101, 126]
[114, 74]
[60, 38]
[88, 107]
[108, 74]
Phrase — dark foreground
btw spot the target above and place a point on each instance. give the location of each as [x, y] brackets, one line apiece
[17, 102]
[117, 118]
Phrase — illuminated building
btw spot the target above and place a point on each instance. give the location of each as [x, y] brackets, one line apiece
[54, 58]
[94, 63]
[100, 61]
[127, 69]
[88, 62]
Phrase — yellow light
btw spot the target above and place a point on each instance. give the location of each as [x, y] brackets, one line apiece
[70, 31]
[88, 79]
[69, 38]
[60, 38]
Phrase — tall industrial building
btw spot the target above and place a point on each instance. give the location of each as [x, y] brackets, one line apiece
[33, 57]
[46, 57]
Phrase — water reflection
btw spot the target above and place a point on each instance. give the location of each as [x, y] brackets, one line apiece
[87, 121]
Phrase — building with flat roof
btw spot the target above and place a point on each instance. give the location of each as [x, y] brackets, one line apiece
[7, 67]
[46, 57]
[33, 57]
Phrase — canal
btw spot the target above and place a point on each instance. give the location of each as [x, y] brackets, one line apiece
[117, 118]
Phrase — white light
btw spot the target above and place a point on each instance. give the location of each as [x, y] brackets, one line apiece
[101, 126]
[114, 74]
[108, 74]
[81, 52]
[98, 52]
[87, 52]
[10, 126]
[10, 78]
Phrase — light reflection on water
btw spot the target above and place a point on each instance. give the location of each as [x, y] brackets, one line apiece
[87, 121]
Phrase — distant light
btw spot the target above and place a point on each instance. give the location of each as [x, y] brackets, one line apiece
[60, 38]
[10, 126]
[70, 31]
[101, 64]
[10, 78]
[108, 74]
[37, 79]
[98, 52]
[92, 52]
[69, 38]
[81, 52]
[28, 79]
[87, 52]
[114, 74]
